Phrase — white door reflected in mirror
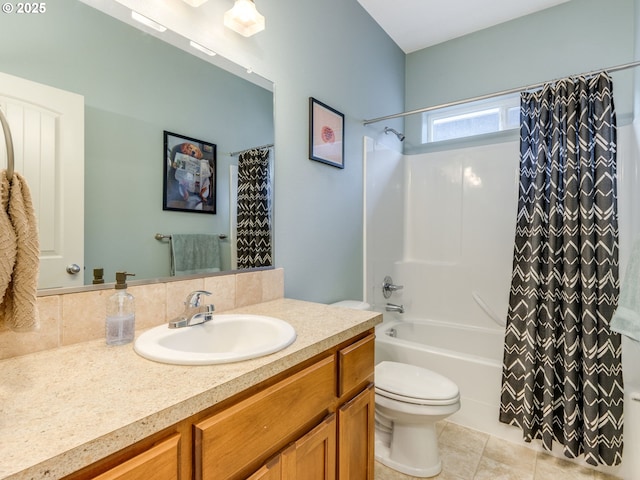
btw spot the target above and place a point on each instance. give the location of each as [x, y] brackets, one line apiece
[47, 128]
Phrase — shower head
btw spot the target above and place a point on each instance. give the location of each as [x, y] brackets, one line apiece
[395, 132]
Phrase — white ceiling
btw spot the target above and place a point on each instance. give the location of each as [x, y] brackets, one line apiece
[417, 24]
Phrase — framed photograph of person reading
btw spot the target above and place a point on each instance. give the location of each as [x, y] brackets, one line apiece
[189, 174]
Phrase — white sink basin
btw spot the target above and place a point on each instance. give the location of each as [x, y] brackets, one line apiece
[225, 339]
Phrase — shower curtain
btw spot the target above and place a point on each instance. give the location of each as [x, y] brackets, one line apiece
[562, 373]
[254, 209]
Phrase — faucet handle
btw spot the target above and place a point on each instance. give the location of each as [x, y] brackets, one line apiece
[193, 299]
[388, 287]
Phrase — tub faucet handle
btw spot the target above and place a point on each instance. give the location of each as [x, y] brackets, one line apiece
[388, 287]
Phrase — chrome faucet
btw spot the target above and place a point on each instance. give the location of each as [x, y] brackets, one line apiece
[194, 313]
[388, 287]
[391, 307]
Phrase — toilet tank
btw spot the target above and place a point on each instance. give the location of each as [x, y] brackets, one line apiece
[355, 304]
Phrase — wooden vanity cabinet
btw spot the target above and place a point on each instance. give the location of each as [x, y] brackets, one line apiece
[312, 457]
[356, 421]
[313, 422]
[161, 456]
[160, 462]
[342, 445]
[229, 444]
[356, 413]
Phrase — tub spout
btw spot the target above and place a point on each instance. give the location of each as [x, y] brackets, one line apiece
[391, 307]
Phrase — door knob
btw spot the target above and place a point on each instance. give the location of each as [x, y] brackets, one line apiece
[73, 269]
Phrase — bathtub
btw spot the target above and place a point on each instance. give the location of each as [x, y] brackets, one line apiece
[470, 356]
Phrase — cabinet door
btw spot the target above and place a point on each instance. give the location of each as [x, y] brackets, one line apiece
[159, 462]
[312, 457]
[233, 443]
[271, 471]
[356, 424]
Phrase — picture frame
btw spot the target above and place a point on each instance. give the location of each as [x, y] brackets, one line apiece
[189, 174]
[326, 134]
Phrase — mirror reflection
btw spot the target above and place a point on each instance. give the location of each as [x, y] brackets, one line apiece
[135, 87]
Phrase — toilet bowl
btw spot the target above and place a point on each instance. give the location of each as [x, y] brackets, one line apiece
[409, 400]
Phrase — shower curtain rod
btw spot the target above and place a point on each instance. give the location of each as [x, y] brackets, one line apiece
[496, 94]
[233, 154]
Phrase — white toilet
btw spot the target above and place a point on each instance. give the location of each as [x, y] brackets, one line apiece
[409, 401]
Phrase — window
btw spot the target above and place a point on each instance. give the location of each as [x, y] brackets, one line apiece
[472, 118]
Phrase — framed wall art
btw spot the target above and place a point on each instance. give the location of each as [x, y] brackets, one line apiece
[189, 174]
[326, 134]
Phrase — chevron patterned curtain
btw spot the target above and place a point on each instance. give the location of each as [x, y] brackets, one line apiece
[562, 373]
[254, 209]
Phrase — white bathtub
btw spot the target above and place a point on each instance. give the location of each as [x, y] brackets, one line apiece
[470, 356]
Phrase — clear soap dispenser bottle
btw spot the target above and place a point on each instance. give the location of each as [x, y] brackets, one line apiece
[121, 314]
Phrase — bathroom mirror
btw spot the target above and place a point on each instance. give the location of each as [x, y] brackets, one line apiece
[136, 86]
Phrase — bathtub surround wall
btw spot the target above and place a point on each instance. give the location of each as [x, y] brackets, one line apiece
[68, 318]
[383, 217]
[455, 236]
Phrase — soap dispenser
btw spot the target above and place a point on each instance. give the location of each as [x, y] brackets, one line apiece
[121, 316]
[98, 276]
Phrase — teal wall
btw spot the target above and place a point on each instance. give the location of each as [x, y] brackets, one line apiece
[574, 37]
[333, 51]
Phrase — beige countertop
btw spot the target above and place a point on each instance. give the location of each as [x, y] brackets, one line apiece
[66, 408]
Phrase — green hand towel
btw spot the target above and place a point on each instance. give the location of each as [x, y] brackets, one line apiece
[194, 253]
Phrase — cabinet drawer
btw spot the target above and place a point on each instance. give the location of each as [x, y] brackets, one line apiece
[356, 365]
[160, 462]
[229, 444]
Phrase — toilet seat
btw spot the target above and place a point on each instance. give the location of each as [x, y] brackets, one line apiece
[413, 384]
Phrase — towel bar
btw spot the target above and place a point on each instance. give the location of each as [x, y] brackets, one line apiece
[160, 236]
[9, 144]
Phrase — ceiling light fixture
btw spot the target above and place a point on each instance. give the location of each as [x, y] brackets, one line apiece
[197, 46]
[244, 18]
[147, 21]
[194, 3]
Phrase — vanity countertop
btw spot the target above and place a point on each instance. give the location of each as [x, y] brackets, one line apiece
[66, 408]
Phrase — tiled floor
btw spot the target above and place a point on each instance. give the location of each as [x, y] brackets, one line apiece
[471, 455]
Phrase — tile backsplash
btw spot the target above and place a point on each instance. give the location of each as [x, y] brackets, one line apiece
[69, 318]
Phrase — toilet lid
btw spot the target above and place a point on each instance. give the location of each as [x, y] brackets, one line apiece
[416, 384]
